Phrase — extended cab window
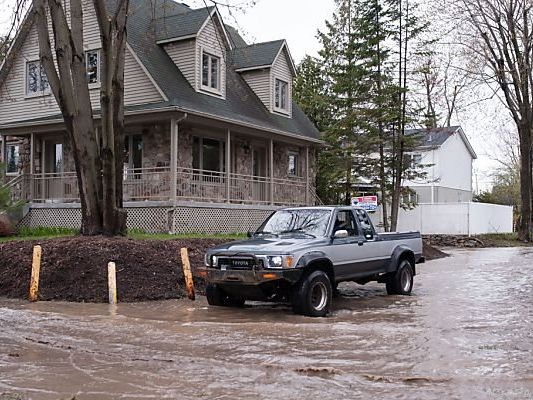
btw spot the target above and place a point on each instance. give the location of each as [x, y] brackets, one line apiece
[366, 225]
[346, 221]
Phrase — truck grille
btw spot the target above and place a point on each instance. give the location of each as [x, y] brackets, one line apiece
[239, 263]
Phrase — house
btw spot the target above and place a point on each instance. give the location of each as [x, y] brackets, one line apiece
[214, 141]
[445, 157]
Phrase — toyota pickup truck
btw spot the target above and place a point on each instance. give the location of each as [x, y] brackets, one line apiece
[300, 255]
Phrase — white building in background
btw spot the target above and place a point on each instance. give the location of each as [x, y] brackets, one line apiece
[446, 157]
[444, 195]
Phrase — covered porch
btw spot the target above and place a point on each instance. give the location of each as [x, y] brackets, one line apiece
[172, 158]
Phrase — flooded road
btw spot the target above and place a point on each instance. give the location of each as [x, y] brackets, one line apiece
[466, 333]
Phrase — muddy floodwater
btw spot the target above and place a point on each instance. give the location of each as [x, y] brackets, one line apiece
[465, 333]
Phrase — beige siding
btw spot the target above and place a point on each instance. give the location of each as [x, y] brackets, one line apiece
[138, 88]
[212, 40]
[184, 56]
[259, 81]
[281, 70]
[15, 105]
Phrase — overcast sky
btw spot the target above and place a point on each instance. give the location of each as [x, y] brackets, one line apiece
[298, 21]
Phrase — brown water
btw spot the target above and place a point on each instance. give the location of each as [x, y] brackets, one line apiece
[466, 333]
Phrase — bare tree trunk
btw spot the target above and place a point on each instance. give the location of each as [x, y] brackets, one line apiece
[69, 86]
[524, 228]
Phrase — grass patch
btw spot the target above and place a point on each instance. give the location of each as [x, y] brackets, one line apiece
[41, 233]
[502, 240]
[139, 235]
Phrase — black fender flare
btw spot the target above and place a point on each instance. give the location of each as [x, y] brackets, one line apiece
[311, 261]
[401, 252]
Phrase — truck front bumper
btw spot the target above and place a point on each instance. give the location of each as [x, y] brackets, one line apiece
[249, 277]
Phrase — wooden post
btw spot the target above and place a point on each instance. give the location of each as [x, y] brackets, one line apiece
[187, 273]
[35, 271]
[112, 282]
[173, 160]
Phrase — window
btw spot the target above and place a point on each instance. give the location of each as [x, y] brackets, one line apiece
[36, 80]
[12, 158]
[92, 63]
[133, 156]
[293, 165]
[281, 94]
[413, 160]
[210, 71]
[208, 154]
[345, 221]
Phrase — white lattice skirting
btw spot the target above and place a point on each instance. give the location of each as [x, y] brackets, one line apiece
[160, 219]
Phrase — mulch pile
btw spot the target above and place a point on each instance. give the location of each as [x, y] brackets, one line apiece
[432, 253]
[75, 268]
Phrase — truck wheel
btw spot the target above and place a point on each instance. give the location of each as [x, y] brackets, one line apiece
[313, 295]
[401, 281]
[216, 297]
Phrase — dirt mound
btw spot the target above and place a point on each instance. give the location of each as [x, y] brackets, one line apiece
[75, 268]
[432, 253]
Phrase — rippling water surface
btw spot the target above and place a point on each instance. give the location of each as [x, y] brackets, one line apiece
[465, 333]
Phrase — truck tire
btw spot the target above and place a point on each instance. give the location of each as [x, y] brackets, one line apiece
[401, 281]
[217, 297]
[313, 295]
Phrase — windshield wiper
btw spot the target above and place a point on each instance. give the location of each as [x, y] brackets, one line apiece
[265, 233]
[298, 230]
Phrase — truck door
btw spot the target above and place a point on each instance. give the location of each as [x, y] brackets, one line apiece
[377, 253]
[344, 249]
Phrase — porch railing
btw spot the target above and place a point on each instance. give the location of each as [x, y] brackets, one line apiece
[155, 184]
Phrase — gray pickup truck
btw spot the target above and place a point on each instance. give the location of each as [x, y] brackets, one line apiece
[300, 255]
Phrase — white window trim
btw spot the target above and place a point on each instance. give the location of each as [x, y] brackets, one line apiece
[297, 164]
[221, 74]
[285, 111]
[40, 93]
[98, 83]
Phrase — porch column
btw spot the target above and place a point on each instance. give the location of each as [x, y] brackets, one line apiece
[32, 163]
[307, 198]
[271, 167]
[3, 149]
[173, 159]
[228, 166]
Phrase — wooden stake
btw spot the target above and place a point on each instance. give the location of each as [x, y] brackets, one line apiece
[112, 282]
[35, 271]
[187, 273]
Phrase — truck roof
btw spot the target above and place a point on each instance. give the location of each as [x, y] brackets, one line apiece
[328, 207]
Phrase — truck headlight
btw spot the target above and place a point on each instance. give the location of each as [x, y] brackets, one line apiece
[210, 261]
[279, 262]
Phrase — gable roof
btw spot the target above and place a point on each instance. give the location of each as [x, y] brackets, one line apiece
[260, 55]
[436, 137]
[241, 106]
[184, 24]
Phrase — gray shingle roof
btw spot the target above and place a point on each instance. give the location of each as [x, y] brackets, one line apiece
[256, 55]
[241, 103]
[436, 137]
[182, 23]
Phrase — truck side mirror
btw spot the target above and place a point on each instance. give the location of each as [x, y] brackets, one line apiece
[341, 233]
[249, 234]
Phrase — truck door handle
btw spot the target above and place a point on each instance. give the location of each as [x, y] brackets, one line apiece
[360, 242]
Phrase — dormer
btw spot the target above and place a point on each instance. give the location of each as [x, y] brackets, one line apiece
[269, 70]
[197, 42]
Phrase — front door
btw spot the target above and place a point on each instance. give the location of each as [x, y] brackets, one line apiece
[53, 169]
[259, 168]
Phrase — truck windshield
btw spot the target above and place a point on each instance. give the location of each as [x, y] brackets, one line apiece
[313, 222]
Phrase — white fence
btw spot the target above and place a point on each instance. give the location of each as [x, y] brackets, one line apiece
[453, 219]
